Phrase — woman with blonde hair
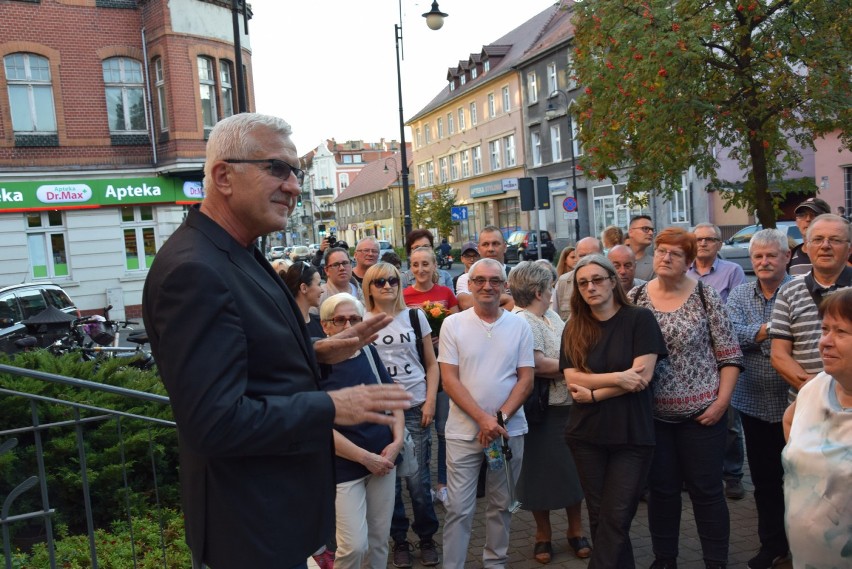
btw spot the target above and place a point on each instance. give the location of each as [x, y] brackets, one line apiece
[405, 346]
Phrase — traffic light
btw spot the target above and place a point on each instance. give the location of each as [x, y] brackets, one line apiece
[299, 201]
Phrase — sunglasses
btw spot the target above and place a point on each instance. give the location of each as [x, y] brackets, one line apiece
[277, 168]
[380, 283]
[341, 321]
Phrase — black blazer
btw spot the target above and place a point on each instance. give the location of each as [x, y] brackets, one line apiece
[255, 432]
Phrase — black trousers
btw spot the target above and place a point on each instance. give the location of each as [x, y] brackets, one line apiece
[764, 443]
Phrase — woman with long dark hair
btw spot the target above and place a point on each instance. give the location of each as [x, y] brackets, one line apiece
[608, 353]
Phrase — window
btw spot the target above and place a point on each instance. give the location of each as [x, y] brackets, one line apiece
[477, 160]
[494, 153]
[571, 84]
[507, 102]
[552, 84]
[427, 133]
[46, 244]
[461, 120]
[486, 66]
[226, 89]
[535, 142]
[473, 113]
[430, 173]
[454, 166]
[532, 87]
[440, 128]
[465, 163]
[509, 150]
[473, 73]
[492, 109]
[30, 93]
[207, 82]
[442, 167]
[417, 137]
[137, 225]
[555, 143]
[462, 79]
[678, 206]
[343, 180]
[421, 176]
[575, 137]
[160, 87]
[452, 85]
[450, 125]
[125, 102]
[347, 159]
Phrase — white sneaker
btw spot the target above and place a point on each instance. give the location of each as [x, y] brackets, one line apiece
[441, 495]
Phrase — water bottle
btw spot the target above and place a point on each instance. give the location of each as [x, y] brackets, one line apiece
[494, 455]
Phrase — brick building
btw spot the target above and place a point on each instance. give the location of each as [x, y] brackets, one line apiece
[105, 106]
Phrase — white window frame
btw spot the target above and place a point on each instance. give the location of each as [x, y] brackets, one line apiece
[430, 173]
[461, 119]
[555, 143]
[473, 117]
[465, 163]
[552, 83]
[40, 244]
[492, 106]
[509, 159]
[418, 138]
[486, 66]
[532, 87]
[451, 126]
[226, 88]
[443, 170]
[476, 152]
[427, 133]
[143, 224]
[207, 91]
[130, 81]
[679, 204]
[494, 154]
[440, 129]
[454, 166]
[535, 143]
[160, 87]
[33, 86]
[575, 133]
[421, 175]
[507, 100]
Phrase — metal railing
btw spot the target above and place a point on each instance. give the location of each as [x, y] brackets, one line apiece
[26, 471]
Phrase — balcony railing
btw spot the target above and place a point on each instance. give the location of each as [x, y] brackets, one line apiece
[74, 465]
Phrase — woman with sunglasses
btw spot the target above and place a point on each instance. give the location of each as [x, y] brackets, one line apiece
[412, 364]
[303, 280]
[608, 353]
[365, 461]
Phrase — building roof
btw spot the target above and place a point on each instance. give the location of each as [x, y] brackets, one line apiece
[372, 178]
[503, 53]
[556, 32]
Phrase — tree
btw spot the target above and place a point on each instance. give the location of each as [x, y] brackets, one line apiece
[434, 211]
[668, 81]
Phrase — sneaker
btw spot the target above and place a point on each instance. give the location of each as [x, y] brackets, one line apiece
[324, 560]
[402, 554]
[661, 563]
[428, 552]
[734, 489]
[441, 495]
[766, 560]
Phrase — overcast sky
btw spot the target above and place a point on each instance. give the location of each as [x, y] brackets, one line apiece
[328, 67]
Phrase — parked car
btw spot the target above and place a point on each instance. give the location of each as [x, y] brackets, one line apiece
[301, 253]
[384, 247]
[276, 252]
[522, 246]
[735, 249]
[20, 302]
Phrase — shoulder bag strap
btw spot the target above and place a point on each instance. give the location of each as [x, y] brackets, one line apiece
[369, 353]
[704, 305]
[415, 324]
[638, 292]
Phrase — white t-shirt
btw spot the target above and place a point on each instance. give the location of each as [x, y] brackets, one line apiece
[398, 349]
[488, 367]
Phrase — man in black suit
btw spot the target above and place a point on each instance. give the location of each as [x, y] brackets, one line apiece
[255, 433]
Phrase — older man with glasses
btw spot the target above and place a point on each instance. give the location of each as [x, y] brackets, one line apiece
[255, 433]
[366, 255]
[486, 357]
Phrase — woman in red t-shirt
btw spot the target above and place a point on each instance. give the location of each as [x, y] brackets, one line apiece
[424, 267]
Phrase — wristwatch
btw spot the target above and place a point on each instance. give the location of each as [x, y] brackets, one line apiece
[502, 418]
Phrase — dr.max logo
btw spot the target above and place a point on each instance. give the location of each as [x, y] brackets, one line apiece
[64, 193]
[143, 191]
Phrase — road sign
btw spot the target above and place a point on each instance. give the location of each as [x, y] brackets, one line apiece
[571, 215]
[569, 204]
[459, 213]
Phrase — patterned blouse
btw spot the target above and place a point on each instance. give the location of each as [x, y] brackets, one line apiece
[687, 382]
[547, 339]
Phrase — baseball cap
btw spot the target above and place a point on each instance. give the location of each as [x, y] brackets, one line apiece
[816, 205]
[468, 246]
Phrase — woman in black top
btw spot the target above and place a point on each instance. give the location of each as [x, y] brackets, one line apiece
[608, 353]
[303, 280]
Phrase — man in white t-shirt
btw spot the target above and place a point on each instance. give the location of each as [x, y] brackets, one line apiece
[486, 357]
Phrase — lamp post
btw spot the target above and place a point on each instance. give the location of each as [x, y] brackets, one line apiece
[552, 113]
[435, 20]
[390, 193]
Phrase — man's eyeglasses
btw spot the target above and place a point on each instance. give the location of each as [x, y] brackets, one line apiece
[832, 241]
[339, 265]
[277, 168]
[645, 229]
[380, 283]
[707, 239]
[367, 251]
[480, 281]
[597, 281]
[340, 321]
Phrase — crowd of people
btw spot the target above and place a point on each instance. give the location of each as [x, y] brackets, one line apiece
[640, 366]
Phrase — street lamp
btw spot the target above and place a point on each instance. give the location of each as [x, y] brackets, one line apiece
[434, 19]
[553, 113]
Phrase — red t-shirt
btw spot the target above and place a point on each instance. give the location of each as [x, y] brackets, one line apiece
[437, 293]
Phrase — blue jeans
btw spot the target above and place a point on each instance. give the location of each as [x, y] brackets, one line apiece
[442, 411]
[732, 468]
[613, 478]
[419, 486]
[691, 453]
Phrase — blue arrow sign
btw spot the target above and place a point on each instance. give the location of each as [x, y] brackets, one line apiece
[459, 213]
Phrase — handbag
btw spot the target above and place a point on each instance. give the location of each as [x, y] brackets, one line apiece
[535, 407]
[408, 467]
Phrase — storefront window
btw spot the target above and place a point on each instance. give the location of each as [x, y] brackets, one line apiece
[509, 215]
[611, 208]
[139, 238]
[46, 244]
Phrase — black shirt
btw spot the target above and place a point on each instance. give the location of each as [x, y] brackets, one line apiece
[627, 419]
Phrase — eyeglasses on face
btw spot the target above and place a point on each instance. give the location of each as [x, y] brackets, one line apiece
[644, 228]
[661, 253]
[831, 241]
[340, 321]
[380, 283]
[596, 280]
[339, 265]
[493, 281]
[277, 168]
[367, 251]
[707, 239]
[806, 214]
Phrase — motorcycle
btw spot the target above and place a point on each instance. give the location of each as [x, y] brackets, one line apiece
[444, 261]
